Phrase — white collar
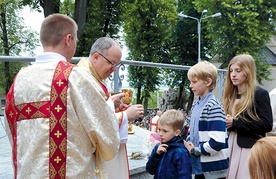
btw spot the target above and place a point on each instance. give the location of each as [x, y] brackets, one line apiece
[49, 57]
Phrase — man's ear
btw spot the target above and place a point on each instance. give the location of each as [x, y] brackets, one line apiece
[68, 39]
[96, 56]
[177, 132]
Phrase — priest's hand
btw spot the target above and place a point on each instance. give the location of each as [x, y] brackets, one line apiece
[134, 112]
[116, 98]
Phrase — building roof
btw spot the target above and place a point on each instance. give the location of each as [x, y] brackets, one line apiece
[270, 51]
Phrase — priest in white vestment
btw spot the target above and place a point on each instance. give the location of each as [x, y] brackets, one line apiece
[58, 122]
[105, 56]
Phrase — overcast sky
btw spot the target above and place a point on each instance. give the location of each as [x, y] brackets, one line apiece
[33, 19]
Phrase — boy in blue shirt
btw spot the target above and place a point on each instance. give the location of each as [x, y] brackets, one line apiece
[169, 158]
[207, 137]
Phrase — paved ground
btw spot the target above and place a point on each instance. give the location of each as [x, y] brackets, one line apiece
[137, 142]
[6, 170]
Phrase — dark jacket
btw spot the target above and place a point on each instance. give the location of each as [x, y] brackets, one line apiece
[173, 164]
[250, 131]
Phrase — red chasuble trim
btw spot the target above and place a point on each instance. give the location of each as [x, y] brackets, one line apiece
[12, 116]
[58, 121]
[25, 111]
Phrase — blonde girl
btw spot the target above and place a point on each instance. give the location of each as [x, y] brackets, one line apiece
[248, 113]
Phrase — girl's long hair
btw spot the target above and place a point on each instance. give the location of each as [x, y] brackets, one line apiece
[246, 103]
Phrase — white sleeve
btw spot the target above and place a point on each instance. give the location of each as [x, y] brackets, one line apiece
[123, 131]
[272, 95]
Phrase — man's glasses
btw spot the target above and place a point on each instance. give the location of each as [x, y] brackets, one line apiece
[110, 62]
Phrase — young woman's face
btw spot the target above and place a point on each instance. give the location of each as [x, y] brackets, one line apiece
[199, 87]
[165, 132]
[236, 75]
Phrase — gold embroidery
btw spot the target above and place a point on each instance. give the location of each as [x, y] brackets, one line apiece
[21, 106]
[62, 147]
[61, 171]
[52, 171]
[28, 110]
[59, 83]
[57, 159]
[67, 73]
[54, 95]
[38, 105]
[53, 121]
[58, 134]
[52, 147]
[63, 121]
[38, 114]
[57, 72]
[58, 108]
[63, 96]
[21, 117]
[58, 118]
[11, 114]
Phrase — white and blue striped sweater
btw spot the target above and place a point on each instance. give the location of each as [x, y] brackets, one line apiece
[213, 145]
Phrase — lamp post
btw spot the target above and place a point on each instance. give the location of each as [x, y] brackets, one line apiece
[199, 24]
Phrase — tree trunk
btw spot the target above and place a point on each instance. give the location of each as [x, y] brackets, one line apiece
[50, 7]
[80, 15]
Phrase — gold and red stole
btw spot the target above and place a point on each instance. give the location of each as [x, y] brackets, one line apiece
[85, 63]
[55, 110]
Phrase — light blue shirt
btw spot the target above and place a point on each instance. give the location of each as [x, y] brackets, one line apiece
[194, 132]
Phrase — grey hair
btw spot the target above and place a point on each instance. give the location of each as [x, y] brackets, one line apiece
[102, 45]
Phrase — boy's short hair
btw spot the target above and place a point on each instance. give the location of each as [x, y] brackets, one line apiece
[174, 118]
[202, 71]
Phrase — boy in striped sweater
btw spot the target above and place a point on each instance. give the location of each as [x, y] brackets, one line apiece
[207, 137]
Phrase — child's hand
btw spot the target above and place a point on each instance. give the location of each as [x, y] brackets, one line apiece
[188, 145]
[229, 121]
[162, 148]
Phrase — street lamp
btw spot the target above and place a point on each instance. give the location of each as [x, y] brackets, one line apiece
[199, 24]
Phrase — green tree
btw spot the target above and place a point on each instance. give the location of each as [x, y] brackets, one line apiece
[147, 25]
[184, 52]
[103, 19]
[95, 18]
[245, 27]
[15, 39]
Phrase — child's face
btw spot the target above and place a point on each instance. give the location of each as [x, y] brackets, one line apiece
[166, 132]
[199, 87]
[236, 74]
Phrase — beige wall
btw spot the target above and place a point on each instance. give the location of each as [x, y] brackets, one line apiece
[270, 85]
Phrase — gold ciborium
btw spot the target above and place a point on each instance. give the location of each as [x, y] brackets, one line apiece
[127, 99]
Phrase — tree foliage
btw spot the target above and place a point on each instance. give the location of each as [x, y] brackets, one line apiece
[184, 52]
[245, 27]
[153, 33]
[103, 19]
[147, 26]
[15, 38]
